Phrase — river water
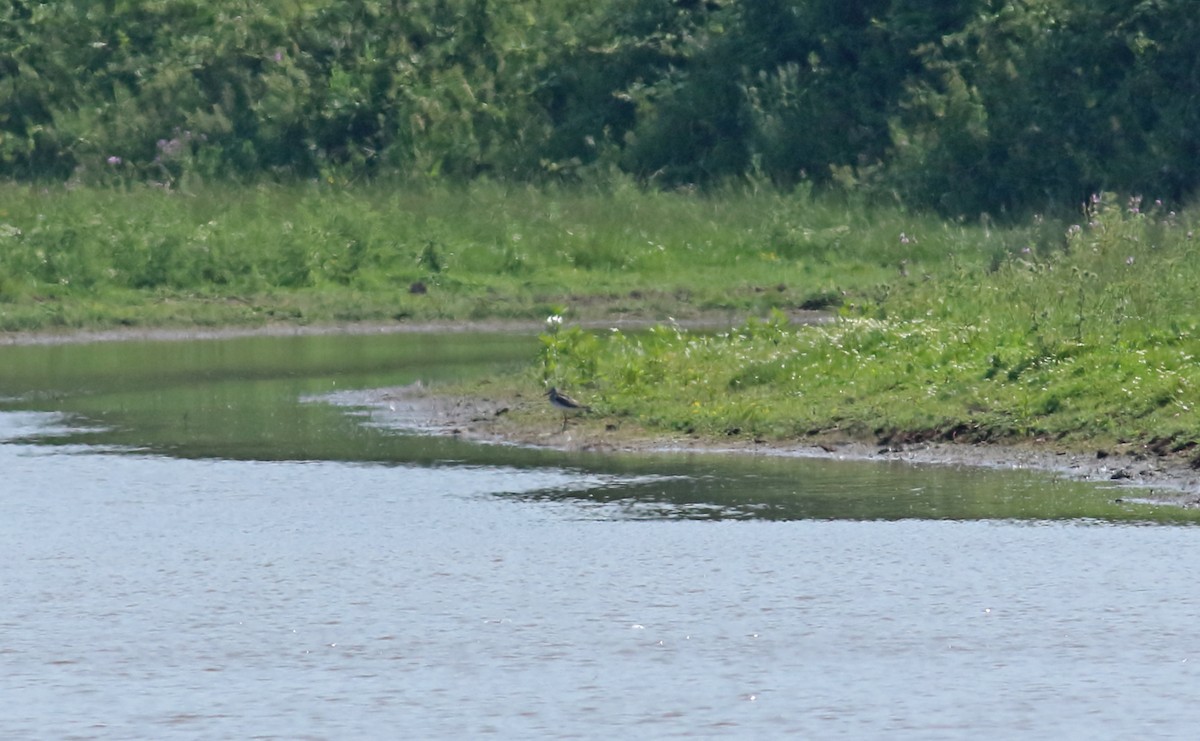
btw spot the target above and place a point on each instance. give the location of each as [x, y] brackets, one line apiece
[187, 550]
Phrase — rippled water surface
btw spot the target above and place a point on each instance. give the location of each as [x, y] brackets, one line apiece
[188, 551]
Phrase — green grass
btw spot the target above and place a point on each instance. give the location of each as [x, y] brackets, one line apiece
[227, 254]
[1091, 343]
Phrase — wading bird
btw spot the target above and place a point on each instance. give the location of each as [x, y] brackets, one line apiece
[566, 404]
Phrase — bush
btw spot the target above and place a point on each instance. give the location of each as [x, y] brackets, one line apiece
[1035, 105]
[965, 106]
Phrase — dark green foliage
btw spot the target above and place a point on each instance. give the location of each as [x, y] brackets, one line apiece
[798, 89]
[964, 106]
[157, 90]
[1035, 104]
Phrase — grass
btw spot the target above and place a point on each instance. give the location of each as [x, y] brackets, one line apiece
[1088, 342]
[79, 257]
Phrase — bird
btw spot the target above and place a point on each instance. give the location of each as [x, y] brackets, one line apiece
[566, 404]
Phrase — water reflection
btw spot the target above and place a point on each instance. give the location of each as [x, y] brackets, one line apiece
[239, 399]
[720, 487]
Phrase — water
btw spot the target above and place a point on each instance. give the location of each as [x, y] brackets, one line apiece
[269, 569]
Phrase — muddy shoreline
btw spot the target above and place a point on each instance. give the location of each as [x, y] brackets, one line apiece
[708, 320]
[1149, 477]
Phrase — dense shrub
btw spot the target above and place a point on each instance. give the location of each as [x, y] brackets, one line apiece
[964, 106]
[163, 88]
[1033, 104]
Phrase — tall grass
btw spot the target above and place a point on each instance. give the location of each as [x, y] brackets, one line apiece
[1090, 338]
[314, 252]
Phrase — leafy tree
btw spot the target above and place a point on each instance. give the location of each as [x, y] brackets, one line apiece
[963, 106]
[1039, 103]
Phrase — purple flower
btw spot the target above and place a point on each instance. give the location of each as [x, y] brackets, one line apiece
[278, 55]
[169, 147]
[114, 160]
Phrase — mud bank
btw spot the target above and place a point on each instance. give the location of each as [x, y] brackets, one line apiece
[530, 421]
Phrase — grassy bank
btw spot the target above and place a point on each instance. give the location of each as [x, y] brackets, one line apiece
[81, 257]
[1087, 342]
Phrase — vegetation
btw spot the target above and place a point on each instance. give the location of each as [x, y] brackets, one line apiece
[966, 107]
[912, 167]
[1091, 342]
[225, 254]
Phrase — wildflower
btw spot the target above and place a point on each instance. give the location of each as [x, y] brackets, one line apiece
[114, 160]
[554, 321]
[278, 55]
[1129, 260]
[905, 239]
[170, 147]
